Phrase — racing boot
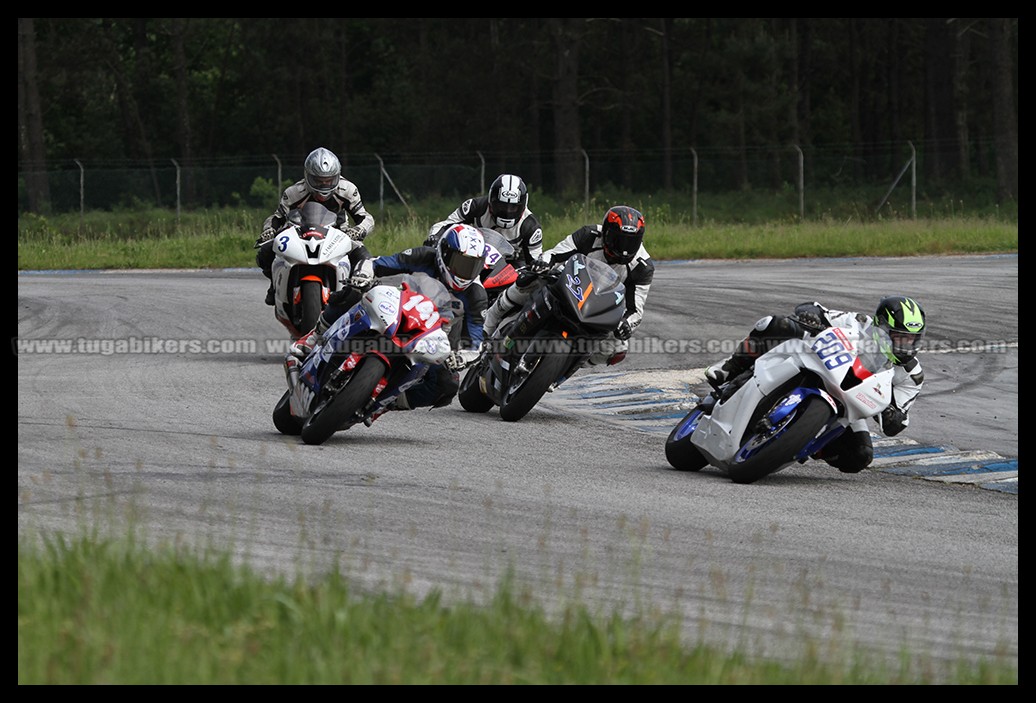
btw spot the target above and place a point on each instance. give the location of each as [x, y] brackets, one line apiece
[495, 313]
[399, 403]
[304, 345]
[270, 294]
[734, 365]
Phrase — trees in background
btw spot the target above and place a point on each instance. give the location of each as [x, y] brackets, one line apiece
[549, 89]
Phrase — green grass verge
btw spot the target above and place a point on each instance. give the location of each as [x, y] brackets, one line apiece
[94, 611]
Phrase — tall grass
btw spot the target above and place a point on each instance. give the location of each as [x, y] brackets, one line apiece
[111, 612]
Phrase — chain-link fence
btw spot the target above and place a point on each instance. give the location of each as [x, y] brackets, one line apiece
[253, 181]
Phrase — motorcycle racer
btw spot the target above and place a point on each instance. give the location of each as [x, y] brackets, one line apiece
[324, 183]
[619, 242]
[902, 317]
[454, 263]
[503, 209]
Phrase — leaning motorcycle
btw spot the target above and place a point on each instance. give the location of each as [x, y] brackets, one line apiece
[579, 302]
[311, 261]
[383, 345]
[798, 396]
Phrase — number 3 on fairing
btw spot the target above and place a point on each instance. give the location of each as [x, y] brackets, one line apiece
[831, 350]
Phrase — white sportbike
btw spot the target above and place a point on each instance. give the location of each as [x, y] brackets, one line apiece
[798, 396]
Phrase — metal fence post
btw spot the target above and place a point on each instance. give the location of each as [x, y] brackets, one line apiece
[586, 182]
[279, 181]
[177, 191]
[801, 184]
[82, 186]
[694, 189]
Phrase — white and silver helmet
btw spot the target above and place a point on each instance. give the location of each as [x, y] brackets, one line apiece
[323, 169]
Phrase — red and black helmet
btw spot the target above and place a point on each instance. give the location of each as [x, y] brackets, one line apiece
[622, 233]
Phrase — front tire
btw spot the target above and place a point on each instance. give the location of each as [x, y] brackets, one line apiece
[546, 365]
[778, 448]
[283, 420]
[333, 413]
[311, 304]
[681, 454]
[470, 394]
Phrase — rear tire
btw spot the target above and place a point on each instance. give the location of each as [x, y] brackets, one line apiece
[333, 414]
[779, 451]
[681, 454]
[283, 420]
[547, 365]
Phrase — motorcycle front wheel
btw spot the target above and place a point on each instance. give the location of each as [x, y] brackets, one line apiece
[773, 449]
[311, 305]
[531, 375]
[283, 420]
[681, 454]
[470, 394]
[333, 412]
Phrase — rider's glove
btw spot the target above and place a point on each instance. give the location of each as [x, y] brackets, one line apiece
[363, 277]
[531, 272]
[625, 330]
[893, 420]
[266, 236]
[356, 234]
[810, 317]
[461, 359]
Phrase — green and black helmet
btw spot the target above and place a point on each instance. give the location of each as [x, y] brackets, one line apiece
[903, 319]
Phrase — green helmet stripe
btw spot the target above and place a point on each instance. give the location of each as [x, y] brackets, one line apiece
[912, 315]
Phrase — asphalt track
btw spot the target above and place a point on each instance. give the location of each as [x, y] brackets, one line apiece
[144, 400]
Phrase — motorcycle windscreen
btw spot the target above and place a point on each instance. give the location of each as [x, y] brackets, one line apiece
[873, 354]
[595, 294]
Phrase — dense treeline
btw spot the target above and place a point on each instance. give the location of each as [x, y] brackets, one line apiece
[626, 90]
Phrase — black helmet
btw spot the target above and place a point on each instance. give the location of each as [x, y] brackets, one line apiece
[508, 198]
[903, 319]
[622, 233]
[323, 169]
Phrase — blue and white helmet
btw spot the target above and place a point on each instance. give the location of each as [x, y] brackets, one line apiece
[461, 253]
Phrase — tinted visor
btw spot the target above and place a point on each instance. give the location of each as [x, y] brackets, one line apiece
[622, 246]
[465, 267]
[905, 343]
[508, 211]
[322, 184]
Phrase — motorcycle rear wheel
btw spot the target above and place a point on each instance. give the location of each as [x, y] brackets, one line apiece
[547, 365]
[779, 449]
[333, 413]
[283, 420]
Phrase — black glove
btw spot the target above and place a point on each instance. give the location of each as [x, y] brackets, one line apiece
[356, 234]
[625, 330]
[810, 317]
[892, 420]
[531, 272]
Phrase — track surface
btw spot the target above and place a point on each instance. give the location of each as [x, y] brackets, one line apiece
[577, 500]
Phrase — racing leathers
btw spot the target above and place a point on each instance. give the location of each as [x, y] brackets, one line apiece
[636, 277]
[344, 201]
[526, 236]
[853, 451]
[465, 307]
